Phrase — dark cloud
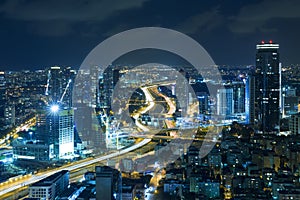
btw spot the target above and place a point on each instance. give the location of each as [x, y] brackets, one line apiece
[53, 28]
[43, 33]
[205, 21]
[67, 10]
[58, 18]
[255, 17]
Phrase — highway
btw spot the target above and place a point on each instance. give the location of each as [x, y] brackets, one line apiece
[35, 178]
[16, 184]
[150, 100]
[14, 131]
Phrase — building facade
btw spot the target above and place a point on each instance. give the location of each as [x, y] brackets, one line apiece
[60, 131]
[225, 102]
[108, 183]
[50, 187]
[267, 87]
[294, 124]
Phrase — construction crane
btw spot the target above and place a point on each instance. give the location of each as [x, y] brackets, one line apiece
[65, 91]
[48, 82]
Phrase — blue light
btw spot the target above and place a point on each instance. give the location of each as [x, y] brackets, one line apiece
[54, 108]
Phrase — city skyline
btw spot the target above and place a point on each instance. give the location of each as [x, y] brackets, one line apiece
[149, 100]
[163, 134]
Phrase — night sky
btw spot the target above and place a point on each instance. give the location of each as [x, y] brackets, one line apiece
[35, 34]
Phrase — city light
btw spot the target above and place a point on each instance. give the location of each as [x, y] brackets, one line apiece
[54, 108]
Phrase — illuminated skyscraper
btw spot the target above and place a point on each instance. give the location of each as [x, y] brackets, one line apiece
[107, 81]
[238, 96]
[2, 87]
[267, 87]
[225, 103]
[60, 131]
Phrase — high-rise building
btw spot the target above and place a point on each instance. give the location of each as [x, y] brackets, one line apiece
[182, 91]
[238, 96]
[225, 103]
[60, 131]
[203, 102]
[289, 101]
[2, 100]
[107, 81]
[267, 87]
[294, 124]
[86, 101]
[2, 87]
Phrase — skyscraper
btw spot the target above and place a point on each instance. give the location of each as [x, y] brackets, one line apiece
[2, 87]
[107, 81]
[60, 131]
[225, 103]
[267, 87]
[238, 96]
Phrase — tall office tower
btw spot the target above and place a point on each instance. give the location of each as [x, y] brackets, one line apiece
[93, 77]
[107, 81]
[182, 92]
[2, 87]
[116, 76]
[60, 131]
[267, 87]
[108, 183]
[225, 103]
[2, 100]
[238, 96]
[203, 102]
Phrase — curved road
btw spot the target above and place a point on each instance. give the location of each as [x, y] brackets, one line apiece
[9, 187]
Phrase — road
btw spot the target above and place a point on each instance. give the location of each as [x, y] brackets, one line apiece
[14, 131]
[151, 103]
[17, 183]
[9, 187]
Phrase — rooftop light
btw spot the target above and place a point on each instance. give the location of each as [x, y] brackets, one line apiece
[54, 108]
